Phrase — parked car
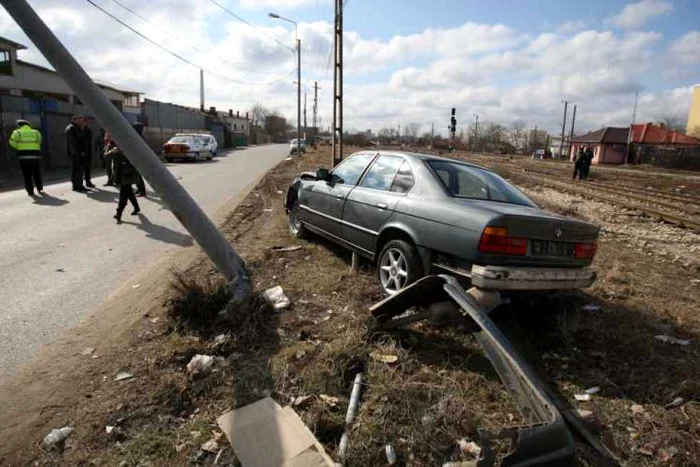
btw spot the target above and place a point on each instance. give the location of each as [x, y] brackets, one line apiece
[293, 146]
[187, 147]
[208, 141]
[413, 214]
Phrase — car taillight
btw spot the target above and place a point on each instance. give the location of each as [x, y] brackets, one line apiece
[585, 250]
[496, 240]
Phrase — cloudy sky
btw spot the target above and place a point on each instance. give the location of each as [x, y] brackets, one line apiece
[405, 60]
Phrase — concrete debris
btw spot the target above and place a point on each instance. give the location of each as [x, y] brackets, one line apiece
[200, 365]
[87, 351]
[123, 376]
[672, 340]
[330, 400]
[210, 446]
[677, 402]
[300, 354]
[58, 435]
[285, 249]
[666, 454]
[469, 447]
[637, 409]
[277, 297]
[384, 358]
[582, 397]
[390, 454]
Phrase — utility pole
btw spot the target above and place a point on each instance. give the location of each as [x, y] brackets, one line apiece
[452, 127]
[571, 135]
[182, 205]
[338, 85]
[629, 133]
[201, 90]
[298, 98]
[304, 116]
[432, 134]
[563, 129]
[398, 135]
[315, 113]
[476, 133]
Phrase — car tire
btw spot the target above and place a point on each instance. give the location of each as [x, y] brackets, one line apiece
[399, 265]
[296, 228]
[210, 156]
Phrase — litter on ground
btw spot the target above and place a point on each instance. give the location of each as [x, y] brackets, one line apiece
[277, 297]
[58, 435]
[672, 340]
[123, 376]
[200, 364]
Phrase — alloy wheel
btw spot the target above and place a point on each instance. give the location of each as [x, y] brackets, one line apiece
[393, 271]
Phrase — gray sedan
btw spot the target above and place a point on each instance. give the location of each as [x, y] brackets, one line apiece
[414, 214]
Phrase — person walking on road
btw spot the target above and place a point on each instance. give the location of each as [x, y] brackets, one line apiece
[27, 142]
[587, 162]
[79, 149]
[100, 150]
[125, 175]
[578, 164]
[140, 185]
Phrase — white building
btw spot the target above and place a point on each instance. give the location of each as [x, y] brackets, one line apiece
[23, 79]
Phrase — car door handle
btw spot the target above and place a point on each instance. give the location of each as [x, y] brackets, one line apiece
[382, 205]
[339, 197]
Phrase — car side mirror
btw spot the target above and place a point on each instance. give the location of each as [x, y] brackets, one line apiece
[322, 174]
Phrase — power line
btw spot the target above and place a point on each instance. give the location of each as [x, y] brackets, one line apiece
[243, 20]
[179, 57]
[192, 46]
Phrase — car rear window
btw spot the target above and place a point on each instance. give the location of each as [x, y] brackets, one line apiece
[179, 140]
[464, 181]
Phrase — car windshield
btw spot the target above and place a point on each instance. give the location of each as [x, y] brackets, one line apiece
[179, 140]
[465, 181]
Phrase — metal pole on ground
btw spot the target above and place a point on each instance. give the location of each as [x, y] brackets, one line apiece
[136, 150]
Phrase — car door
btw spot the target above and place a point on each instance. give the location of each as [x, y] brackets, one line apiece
[322, 201]
[374, 200]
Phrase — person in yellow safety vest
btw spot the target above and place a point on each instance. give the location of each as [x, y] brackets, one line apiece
[27, 142]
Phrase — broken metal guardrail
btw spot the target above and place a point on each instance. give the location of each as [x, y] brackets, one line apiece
[547, 439]
[182, 205]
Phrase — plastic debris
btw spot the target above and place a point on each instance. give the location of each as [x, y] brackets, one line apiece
[390, 454]
[123, 376]
[210, 446]
[200, 364]
[300, 400]
[469, 447]
[384, 358]
[87, 351]
[592, 390]
[58, 435]
[109, 429]
[284, 249]
[330, 400]
[672, 340]
[637, 409]
[582, 397]
[677, 402]
[591, 307]
[136, 286]
[666, 454]
[277, 297]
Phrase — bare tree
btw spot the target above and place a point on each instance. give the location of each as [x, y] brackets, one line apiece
[672, 122]
[517, 133]
[412, 130]
[384, 135]
[257, 114]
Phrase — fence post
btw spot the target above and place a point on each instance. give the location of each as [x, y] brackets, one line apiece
[183, 207]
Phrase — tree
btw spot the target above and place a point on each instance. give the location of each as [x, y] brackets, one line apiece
[516, 131]
[411, 131]
[384, 135]
[672, 122]
[276, 126]
[257, 115]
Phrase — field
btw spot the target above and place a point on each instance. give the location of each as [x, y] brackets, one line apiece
[441, 388]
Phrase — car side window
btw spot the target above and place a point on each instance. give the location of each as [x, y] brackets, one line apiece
[381, 175]
[404, 181]
[471, 186]
[350, 171]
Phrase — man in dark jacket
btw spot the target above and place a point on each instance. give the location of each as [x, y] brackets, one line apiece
[79, 149]
[587, 162]
[578, 164]
[125, 175]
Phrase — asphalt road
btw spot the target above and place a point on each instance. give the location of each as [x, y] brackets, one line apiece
[60, 256]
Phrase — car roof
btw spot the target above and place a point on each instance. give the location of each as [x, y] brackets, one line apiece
[192, 134]
[430, 157]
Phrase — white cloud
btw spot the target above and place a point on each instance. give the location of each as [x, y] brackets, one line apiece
[635, 15]
[570, 27]
[686, 49]
[278, 4]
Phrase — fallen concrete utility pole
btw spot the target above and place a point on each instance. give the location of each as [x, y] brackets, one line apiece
[185, 209]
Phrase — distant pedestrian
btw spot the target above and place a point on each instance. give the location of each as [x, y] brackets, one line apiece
[27, 142]
[587, 162]
[79, 149]
[578, 164]
[99, 149]
[140, 185]
[125, 175]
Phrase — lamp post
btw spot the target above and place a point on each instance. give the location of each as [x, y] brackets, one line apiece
[298, 44]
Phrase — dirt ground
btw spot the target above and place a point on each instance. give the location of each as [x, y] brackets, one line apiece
[441, 388]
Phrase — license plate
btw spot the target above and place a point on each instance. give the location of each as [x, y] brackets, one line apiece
[547, 248]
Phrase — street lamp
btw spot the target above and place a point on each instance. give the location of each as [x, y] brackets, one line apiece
[298, 43]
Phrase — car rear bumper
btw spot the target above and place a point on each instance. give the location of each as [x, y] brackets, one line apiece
[522, 278]
[181, 155]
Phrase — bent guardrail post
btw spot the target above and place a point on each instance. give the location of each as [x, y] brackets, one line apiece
[183, 206]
